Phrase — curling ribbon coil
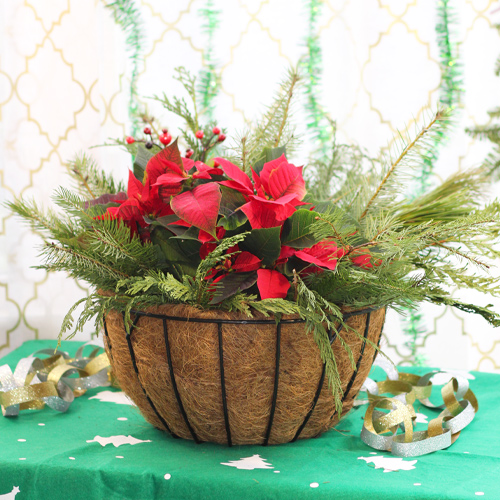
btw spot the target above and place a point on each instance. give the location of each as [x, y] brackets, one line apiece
[38, 382]
[380, 429]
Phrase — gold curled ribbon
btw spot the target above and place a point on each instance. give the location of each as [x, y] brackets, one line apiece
[380, 429]
[38, 382]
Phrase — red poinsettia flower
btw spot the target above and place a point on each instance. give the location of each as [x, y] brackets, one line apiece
[202, 171]
[264, 213]
[143, 200]
[280, 178]
[280, 188]
[239, 180]
[245, 262]
[323, 254]
[165, 171]
[272, 284]
[167, 161]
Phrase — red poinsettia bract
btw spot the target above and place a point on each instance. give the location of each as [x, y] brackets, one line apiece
[280, 188]
[272, 284]
[142, 200]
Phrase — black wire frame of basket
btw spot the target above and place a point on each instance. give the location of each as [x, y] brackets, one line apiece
[219, 322]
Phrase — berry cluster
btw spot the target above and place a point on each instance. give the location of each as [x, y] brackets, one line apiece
[206, 143]
[165, 138]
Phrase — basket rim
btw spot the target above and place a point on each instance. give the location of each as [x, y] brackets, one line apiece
[188, 318]
[196, 315]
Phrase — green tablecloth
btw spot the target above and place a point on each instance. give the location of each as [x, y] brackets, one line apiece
[50, 455]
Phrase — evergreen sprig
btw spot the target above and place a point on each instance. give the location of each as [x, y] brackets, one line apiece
[272, 130]
[90, 180]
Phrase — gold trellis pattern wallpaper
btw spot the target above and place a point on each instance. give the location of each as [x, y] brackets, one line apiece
[64, 80]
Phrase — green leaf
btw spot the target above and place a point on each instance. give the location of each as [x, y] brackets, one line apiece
[185, 233]
[162, 221]
[264, 243]
[233, 283]
[231, 201]
[297, 229]
[269, 154]
[140, 161]
[234, 221]
[185, 253]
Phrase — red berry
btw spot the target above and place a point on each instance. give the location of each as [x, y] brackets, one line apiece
[216, 130]
[147, 130]
[221, 137]
[199, 134]
[216, 164]
[189, 153]
[165, 139]
[130, 140]
[164, 130]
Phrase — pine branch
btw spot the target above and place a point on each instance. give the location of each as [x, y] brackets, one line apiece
[272, 128]
[89, 179]
[49, 224]
[438, 116]
[295, 79]
[74, 262]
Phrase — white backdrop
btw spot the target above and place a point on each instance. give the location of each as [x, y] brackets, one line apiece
[64, 80]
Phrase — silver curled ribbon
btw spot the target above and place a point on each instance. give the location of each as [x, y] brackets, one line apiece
[37, 382]
[380, 429]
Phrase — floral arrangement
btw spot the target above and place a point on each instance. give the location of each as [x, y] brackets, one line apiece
[243, 228]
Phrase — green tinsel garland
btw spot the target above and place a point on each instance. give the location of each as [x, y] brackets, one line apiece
[318, 123]
[128, 17]
[449, 97]
[209, 80]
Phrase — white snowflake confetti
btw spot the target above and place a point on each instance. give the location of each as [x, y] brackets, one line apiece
[314, 485]
[421, 418]
[389, 464]
[167, 476]
[117, 440]
[119, 397]
[249, 463]
[11, 495]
